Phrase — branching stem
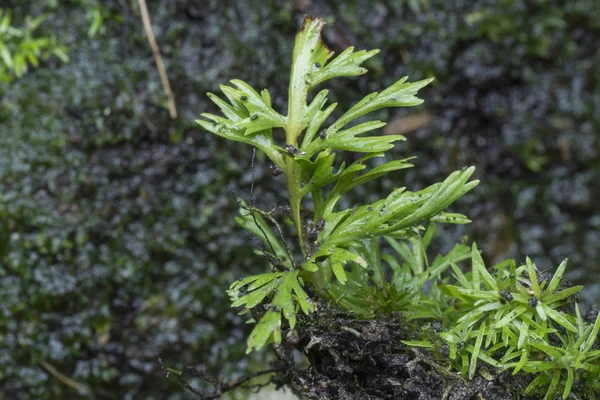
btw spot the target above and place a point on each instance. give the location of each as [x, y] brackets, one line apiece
[298, 93]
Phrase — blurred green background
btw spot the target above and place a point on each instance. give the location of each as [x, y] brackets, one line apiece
[117, 232]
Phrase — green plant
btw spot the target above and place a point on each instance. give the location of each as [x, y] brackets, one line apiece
[520, 319]
[487, 317]
[20, 48]
[332, 238]
[511, 318]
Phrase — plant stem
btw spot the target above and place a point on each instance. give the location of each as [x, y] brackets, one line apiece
[298, 93]
[319, 205]
[294, 180]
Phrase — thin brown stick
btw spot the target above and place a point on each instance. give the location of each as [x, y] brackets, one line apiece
[158, 59]
[58, 375]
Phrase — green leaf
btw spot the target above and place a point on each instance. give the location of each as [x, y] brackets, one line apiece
[338, 271]
[349, 177]
[478, 264]
[401, 210]
[460, 277]
[400, 94]
[445, 194]
[315, 107]
[552, 388]
[510, 353]
[36, 22]
[451, 218]
[310, 266]
[235, 111]
[4, 21]
[321, 170]
[378, 171]
[332, 222]
[522, 362]
[487, 359]
[288, 296]
[227, 129]
[458, 253]
[260, 114]
[348, 140]
[370, 251]
[511, 315]
[490, 307]
[314, 124]
[428, 236]
[559, 318]
[261, 280]
[342, 255]
[523, 335]
[236, 285]
[405, 253]
[579, 319]
[476, 349]
[268, 324]
[541, 311]
[569, 384]
[61, 53]
[557, 277]
[257, 296]
[5, 54]
[553, 298]
[476, 294]
[346, 64]
[593, 335]
[266, 97]
[464, 364]
[547, 349]
[535, 286]
[508, 335]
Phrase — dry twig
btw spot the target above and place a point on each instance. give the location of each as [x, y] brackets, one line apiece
[58, 375]
[158, 59]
